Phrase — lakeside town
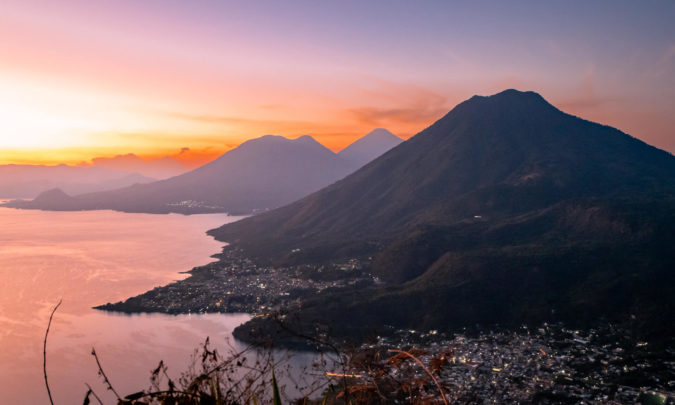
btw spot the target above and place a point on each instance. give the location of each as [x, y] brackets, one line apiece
[548, 364]
[236, 284]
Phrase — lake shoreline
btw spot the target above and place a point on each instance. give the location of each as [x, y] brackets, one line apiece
[85, 258]
[237, 284]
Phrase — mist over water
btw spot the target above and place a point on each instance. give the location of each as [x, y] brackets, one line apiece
[90, 258]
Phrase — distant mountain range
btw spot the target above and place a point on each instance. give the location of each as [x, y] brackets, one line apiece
[506, 210]
[158, 168]
[369, 147]
[28, 181]
[260, 174]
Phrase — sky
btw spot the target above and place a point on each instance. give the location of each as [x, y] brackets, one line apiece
[193, 79]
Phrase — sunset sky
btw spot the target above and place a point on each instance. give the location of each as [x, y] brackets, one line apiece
[83, 78]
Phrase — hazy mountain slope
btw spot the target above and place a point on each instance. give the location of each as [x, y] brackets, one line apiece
[369, 147]
[260, 174]
[158, 168]
[27, 181]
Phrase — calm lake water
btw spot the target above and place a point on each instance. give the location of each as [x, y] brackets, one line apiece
[89, 258]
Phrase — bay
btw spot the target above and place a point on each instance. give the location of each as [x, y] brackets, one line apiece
[86, 259]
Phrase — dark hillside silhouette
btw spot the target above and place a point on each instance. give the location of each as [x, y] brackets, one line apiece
[505, 210]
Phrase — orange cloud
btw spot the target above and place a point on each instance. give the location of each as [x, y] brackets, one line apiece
[193, 158]
[408, 119]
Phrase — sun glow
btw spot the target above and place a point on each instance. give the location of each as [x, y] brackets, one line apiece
[27, 123]
[153, 78]
[45, 121]
[27, 127]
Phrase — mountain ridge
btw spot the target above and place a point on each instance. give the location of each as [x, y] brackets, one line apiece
[370, 146]
[28, 181]
[439, 183]
[505, 210]
[260, 174]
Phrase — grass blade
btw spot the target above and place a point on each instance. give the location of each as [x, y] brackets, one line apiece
[275, 388]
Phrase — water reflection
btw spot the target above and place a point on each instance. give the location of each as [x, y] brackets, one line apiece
[89, 258]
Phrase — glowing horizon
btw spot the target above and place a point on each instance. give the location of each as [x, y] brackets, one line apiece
[83, 79]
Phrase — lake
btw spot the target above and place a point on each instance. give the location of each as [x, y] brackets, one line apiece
[89, 258]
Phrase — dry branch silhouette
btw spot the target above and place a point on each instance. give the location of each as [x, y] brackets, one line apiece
[44, 351]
